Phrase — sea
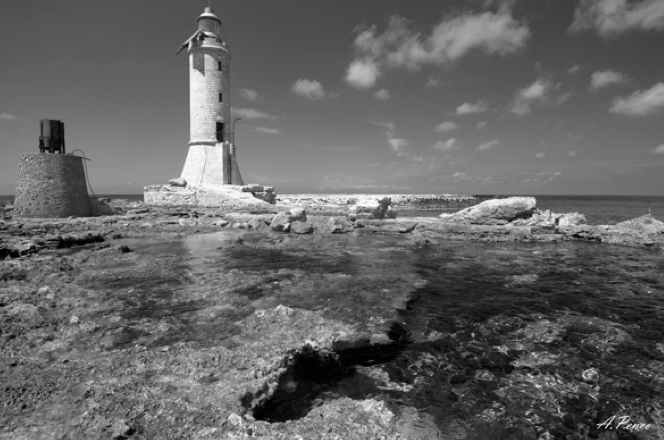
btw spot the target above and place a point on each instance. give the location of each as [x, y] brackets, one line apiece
[599, 210]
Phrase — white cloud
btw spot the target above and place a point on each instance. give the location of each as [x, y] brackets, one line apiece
[572, 153]
[362, 73]
[399, 146]
[445, 127]
[382, 94]
[310, 89]
[640, 103]
[448, 145]
[540, 155]
[481, 125]
[488, 145]
[267, 130]
[603, 78]
[575, 68]
[433, 82]
[401, 46]
[468, 108]
[612, 17]
[657, 150]
[542, 91]
[250, 113]
[390, 126]
[249, 94]
[9, 117]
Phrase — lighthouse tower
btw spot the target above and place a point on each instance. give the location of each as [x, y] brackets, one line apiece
[211, 160]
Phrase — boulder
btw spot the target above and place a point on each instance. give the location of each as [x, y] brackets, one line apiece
[281, 222]
[101, 207]
[491, 212]
[338, 225]
[298, 214]
[372, 208]
[299, 227]
[644, 224]
[180, 182]
[571, 219]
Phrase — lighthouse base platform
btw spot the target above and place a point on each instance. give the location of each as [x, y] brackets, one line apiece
[221, 196]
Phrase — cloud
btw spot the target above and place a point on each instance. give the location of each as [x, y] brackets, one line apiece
[467, 108]
[249, 94]
[542, 91]
[250, 113]
[310, 89]
[8, 117]
[382, 94]
[445, 127]
[657, 150]
[612, 17]
[399, 146]
[572, 153]
[481, 125]
[488, 145]
[362, 73]
[540, 155]
[433, 82]
[267, 130]
[387, 125]
[448, 145]
[575, 68]
[640, 103]
[401, 46]
[603, 78]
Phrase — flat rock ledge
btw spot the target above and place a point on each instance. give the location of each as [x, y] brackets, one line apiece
[403, 201]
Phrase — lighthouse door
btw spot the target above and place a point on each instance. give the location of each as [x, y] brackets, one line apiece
[221, 134]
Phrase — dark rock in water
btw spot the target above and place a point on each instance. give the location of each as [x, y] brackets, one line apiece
[125, 249]
[646, 223]
[299, 227]
[491, 212]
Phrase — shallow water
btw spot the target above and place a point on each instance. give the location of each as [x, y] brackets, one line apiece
[495, 341]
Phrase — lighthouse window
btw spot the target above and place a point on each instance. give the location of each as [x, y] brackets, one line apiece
[221, 97]
[219, 65]
[220, 132]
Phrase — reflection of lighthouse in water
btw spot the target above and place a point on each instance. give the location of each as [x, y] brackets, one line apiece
[211, 159]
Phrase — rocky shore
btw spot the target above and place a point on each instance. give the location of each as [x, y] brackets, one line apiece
[96, 344]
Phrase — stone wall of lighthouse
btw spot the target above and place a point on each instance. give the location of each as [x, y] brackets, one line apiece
[211, 159]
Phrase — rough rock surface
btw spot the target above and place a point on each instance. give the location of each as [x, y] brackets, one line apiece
[646, 223]
[491, 212]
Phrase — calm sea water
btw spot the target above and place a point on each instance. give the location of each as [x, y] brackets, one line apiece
[604, 210]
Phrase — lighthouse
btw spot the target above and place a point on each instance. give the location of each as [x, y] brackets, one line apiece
[211, 159]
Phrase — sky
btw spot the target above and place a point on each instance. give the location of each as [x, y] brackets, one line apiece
[372, 96]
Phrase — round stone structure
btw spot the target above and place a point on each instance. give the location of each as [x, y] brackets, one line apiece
[51, 185]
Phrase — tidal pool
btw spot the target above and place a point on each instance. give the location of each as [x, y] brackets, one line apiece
[485, 340]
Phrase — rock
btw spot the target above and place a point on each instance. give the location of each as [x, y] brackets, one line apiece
[338, 225]
[180, 182]
[571, 219]
[298, 214]
[644, 224]
[281, 222]
[371, 208]
[299, 227]
[100, 207]
[221, 223]
[496, 211]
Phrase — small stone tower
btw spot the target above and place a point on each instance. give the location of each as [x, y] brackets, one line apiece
[211, 160]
